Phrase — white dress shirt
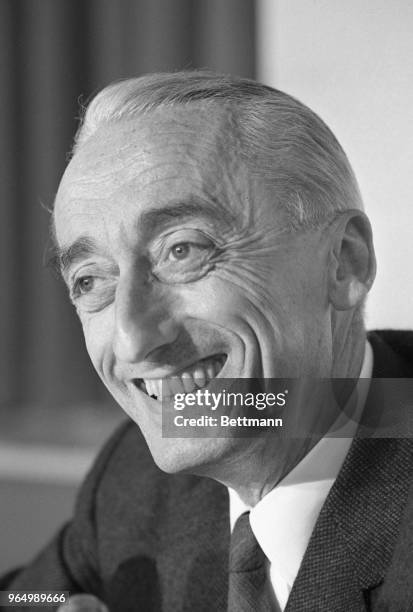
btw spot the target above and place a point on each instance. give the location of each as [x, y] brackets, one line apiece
[284, 519]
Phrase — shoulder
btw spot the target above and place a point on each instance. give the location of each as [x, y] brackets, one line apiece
[125, 471]
[127, 491]
[127, 506]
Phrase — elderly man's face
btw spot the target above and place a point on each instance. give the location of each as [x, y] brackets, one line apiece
[181, 268]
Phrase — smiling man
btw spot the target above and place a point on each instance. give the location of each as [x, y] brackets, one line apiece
[211, 228]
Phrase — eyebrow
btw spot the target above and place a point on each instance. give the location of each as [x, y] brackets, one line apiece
[177, 210]
[62, 258]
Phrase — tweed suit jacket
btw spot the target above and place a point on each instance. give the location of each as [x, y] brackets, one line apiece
[142, 540]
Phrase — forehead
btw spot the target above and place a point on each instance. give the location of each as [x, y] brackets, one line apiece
[169, 155]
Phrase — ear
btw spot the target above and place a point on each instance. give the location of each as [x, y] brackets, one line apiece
[352, 264]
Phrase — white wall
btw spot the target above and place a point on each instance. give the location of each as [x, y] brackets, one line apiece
[352, 62]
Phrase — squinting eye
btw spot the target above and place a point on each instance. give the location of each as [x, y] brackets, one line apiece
[181, 250]
[94, 291]
[85, 284]
[184, 257]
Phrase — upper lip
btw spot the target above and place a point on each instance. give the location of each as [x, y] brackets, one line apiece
[176, 371]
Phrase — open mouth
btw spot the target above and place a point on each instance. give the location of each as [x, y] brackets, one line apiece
[191, 378]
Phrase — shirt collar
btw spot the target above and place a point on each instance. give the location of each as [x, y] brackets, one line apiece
[284, 519]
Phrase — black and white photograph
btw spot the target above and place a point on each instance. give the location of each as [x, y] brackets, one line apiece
[206, 305]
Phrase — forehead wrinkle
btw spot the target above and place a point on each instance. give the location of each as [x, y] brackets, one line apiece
[184, 164]
[194, 137]
[225, 175]
[193, 208]
[229, 185]
[140, 175]
[177, 128]
[162, 177]
[124, 145]
[207, 166]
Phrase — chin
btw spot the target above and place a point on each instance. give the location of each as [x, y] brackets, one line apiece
[200, 456]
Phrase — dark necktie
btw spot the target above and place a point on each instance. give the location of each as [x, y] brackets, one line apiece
[249, 589]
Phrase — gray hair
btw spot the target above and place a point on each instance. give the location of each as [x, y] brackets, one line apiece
[283, 143]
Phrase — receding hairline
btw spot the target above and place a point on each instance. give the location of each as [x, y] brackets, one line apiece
[139, 95]
[206, 118]
[282, 141]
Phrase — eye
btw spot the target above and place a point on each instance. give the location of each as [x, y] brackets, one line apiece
[84, 284]
[183, 256]
[92, 287]
[181, 250]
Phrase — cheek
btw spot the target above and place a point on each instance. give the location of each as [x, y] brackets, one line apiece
[232, 295]
[282, 311]
[97, 332]
[244, 312]
[215, 300]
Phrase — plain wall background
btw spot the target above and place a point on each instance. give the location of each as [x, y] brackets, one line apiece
[351, 61]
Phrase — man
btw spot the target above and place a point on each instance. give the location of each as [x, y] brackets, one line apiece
[210, 227]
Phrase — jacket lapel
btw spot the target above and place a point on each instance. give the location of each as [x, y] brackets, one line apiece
[352, 543]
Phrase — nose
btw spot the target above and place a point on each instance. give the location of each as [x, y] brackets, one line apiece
[142, 321]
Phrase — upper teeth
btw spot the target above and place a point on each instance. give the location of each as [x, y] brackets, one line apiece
[193, 377]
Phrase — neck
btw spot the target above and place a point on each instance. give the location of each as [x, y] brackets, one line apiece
[348, 354]
[255, 466]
